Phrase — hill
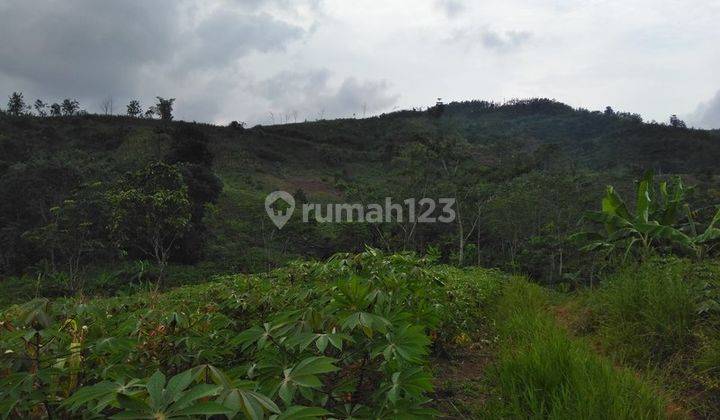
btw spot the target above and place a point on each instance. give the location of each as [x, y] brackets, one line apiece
[523, 172]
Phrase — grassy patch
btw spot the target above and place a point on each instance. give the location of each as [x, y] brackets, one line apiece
[661, 317]
[647, 313]
[543, 373]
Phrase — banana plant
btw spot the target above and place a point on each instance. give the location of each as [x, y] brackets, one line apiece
[657, 212]
[658, 217]
[704, 243]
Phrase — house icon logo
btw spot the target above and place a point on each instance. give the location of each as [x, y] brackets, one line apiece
[279, 217]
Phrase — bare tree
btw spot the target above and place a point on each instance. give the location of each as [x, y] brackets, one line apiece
[107, 105]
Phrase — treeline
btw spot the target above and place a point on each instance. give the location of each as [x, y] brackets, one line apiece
[16, 106]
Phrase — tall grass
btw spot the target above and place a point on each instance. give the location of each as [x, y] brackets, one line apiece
[543, 373]
[647, 313]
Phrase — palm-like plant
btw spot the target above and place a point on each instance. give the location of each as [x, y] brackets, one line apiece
[658, 218]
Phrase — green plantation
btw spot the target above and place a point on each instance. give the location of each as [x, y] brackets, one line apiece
[352, 337]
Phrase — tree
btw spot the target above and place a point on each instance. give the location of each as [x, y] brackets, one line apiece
[151, 112]
[107, 105]
[75, 232]
[40, 108]
[55, 110]
[16, 104]
[439, 166]
[70, 107]
[133, 109]
[150, 211]
[677, 122]
[609, 111]
[165, 108]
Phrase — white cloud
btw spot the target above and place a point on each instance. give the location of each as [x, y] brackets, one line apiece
[451, 8]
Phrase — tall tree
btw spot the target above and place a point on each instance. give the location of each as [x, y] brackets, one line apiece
[55, 110]
[70, 107]
[165, 108]
[107, 105]
[40, 108]
[133, 108]
[677, 122]
[150, 212]
[74, 234]
[16, 104]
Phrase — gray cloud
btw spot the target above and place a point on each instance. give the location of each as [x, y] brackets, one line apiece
[218, 57]
[505, 41]
[84, 47]
[311, 95]
[707, 114]
[451, 8]
[88, 49]
[500, 42]
[226, 36]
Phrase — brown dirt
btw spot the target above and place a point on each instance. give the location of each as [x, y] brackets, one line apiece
[459, 381]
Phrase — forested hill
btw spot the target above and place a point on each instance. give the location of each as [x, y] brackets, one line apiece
[527, 169]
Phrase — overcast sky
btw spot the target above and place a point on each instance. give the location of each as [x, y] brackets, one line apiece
[261, 61]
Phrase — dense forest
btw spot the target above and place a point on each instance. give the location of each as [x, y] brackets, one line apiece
[141, 276]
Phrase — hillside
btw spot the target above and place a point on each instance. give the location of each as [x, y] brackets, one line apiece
[517, 160]
[142, 277]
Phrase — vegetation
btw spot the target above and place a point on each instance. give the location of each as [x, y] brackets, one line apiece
[141, 278]
[350, 337]
[543, 373]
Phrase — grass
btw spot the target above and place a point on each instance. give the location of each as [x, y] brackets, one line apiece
[661, 318]
[648, 312]
[542, 372]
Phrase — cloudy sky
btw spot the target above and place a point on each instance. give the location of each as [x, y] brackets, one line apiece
[264, 61]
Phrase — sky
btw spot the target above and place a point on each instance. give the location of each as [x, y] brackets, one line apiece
[277, 61]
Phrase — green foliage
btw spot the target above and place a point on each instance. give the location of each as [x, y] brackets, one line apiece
[542, 373]
[76, 233]
[164, 108]
[16, 104]
[662, 318]
[133, 109]
[150, 211]
[648, 313]
[657, 221]
[653, 220]
[348, 338]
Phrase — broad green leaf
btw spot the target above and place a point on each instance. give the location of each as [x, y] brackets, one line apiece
[176, 385]
[155, 386]
[207, 408]
[302, 413]
[643, 198]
